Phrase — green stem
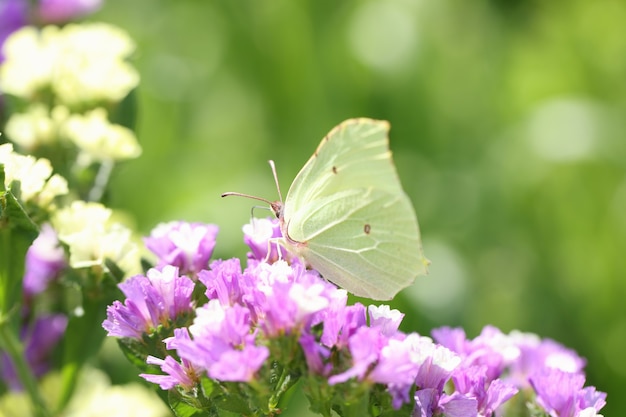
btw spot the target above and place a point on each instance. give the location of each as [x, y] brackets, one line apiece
[15, 350]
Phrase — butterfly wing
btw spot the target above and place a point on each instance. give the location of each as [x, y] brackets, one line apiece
[355, 224]
[354, 154]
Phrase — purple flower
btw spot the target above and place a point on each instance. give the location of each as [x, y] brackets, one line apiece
[291, 305]
[175, 373]
[472, 382]
[59, 11]
[430, 402]
[365, 347]
[520, 354]
[182, 373]
[315, 355]
[258, 234]
[562, 394]
[45, 259]
[39, 340]
[388, 320]
[223, 281]
[222, 343]
[13, 14]
[341, 321]
[152, 300]
[188, 246]
[536, 354]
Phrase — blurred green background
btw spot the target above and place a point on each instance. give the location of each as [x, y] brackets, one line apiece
[507, 129]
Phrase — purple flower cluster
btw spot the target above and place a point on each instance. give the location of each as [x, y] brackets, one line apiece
[40, 331]
[249, 312]
[523, 361]
[39, 339]
[45, 260]
[151, 301]
[188, 246]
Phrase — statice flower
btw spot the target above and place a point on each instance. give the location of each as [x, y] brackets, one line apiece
[496, 365]
[37, 125]
[37, 182]
[59, 11]
[473, 383]
[45, 259]
[93, 236]
[259, 329]
[13, 15]
[154, 300]
[188, 246]
[100, 140]
[184, 373]
[39, 339]
[258, 235]
[223, 344]
[562, 394]
[65, 61]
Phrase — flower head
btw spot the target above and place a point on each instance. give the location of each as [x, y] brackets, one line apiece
[64, 60]
[38, 125]
[40, 339]
[152, 300]
[258, 235]
[37, 183]
[44, 260]
[182, 373]
[92, 236]
[188, 246]
[13, 16]
[562, 394]
[99, 139]
[222, 343]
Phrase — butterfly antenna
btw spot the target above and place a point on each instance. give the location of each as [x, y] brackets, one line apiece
[247, 196]
[280, 195]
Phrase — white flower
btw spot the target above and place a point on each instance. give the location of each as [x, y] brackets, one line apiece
[30, 57]
[96, 397]
[92, 237]
[34, 176]
[92, 64]
[82, 64]
[99, 139]
[37, 126]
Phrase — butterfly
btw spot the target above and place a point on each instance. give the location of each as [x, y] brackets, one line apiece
[347, 215]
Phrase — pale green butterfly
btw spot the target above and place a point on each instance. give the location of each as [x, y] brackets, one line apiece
[347, 215]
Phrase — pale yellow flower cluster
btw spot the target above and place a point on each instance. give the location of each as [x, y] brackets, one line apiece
[92, 236]
[100, 139]
[66, 79]
[37, 126]
[37, 183]
[81, 70]
[95, 397]
[83, 63]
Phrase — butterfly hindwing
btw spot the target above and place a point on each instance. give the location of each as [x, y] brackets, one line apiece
[371, 247]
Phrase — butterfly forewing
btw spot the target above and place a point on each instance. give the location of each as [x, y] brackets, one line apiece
[354, 154]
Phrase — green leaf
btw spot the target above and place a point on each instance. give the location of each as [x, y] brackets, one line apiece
[182, 408]
[17, 232]
[125, 113]
[84, 334]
